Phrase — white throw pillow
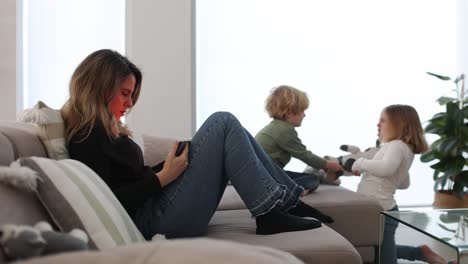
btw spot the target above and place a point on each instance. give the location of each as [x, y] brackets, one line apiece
[51, 128]
[22, 178]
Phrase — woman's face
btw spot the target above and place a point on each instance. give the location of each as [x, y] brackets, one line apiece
[384, 127]
[122, 101]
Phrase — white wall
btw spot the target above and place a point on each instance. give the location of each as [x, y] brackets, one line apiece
[463, 48]
[159, 41]
[8, 60]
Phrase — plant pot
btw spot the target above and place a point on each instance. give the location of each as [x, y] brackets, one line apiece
[446, 200]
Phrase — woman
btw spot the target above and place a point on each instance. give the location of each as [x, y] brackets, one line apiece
[178, 197]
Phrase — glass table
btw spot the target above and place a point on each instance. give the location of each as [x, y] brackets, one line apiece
[444, 231]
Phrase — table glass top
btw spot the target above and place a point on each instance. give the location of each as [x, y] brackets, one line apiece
[446, 225]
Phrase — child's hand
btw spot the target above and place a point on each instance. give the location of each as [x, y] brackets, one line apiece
[334, 166]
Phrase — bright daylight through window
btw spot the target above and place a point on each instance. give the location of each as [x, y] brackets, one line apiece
[57, 35]
[352, 58]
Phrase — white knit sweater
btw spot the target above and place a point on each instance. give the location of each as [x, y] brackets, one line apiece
[386, 172]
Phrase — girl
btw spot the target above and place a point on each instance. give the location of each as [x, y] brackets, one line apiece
[400, 131]
[178, 197]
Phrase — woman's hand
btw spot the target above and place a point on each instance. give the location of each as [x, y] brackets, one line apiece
[173, 166]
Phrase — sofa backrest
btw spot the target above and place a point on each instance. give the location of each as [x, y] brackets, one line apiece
[19, 140]
[18, 207]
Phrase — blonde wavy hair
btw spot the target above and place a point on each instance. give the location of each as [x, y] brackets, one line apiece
[93, 85]
[406, 126]
[285, 99]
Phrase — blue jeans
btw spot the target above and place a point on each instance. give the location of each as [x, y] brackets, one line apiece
[221, 150]
[389, 251]
[307, 181]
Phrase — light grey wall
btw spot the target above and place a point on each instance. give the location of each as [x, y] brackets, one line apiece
[8, 60]
[464, 42]
[159, 40]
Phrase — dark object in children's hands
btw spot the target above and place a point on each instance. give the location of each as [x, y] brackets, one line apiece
[181, 147]
[348, 165]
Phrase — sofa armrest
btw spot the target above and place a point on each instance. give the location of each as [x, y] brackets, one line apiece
[155, 148]
[200, 250]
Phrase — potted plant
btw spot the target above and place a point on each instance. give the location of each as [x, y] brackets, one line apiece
[450, 149]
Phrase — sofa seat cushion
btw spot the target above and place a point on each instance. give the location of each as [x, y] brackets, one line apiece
[349, 209]
[195, 251]
[356, 216]
[320, 245]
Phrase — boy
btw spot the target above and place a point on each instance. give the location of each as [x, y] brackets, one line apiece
[280, 141]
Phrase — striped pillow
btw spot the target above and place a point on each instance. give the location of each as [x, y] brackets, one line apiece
[76, 197]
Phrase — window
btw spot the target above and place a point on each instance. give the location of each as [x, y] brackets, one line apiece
[352, 58]
[57, 36]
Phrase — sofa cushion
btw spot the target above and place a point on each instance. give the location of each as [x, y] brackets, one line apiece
[76, 197]
[155, 148]
[320, 245]
[195, 251]
[7, 155]
[345, 206]
[350, 210]
[231, 200]
[19, 207]
[23, 139]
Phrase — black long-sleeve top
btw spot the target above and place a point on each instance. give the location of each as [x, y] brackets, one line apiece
[119, 162]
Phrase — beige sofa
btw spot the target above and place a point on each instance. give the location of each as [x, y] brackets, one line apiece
[351, 239]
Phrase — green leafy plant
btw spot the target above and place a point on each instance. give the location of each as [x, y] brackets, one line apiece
[450, 149]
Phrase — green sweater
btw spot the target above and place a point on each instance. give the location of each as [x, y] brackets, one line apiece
[280, 141]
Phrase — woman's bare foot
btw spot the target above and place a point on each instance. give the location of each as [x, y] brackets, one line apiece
[305, 192]
[430, 256]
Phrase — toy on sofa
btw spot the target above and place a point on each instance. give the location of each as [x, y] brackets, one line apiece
[22, 242]
[347, 161]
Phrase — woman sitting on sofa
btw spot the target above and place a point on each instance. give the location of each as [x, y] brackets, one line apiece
[179, 196]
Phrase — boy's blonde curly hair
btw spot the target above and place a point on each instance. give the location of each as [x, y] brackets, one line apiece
[285, 99]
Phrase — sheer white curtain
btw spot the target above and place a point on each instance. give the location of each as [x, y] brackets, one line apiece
[57, 35]
[351, 57]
